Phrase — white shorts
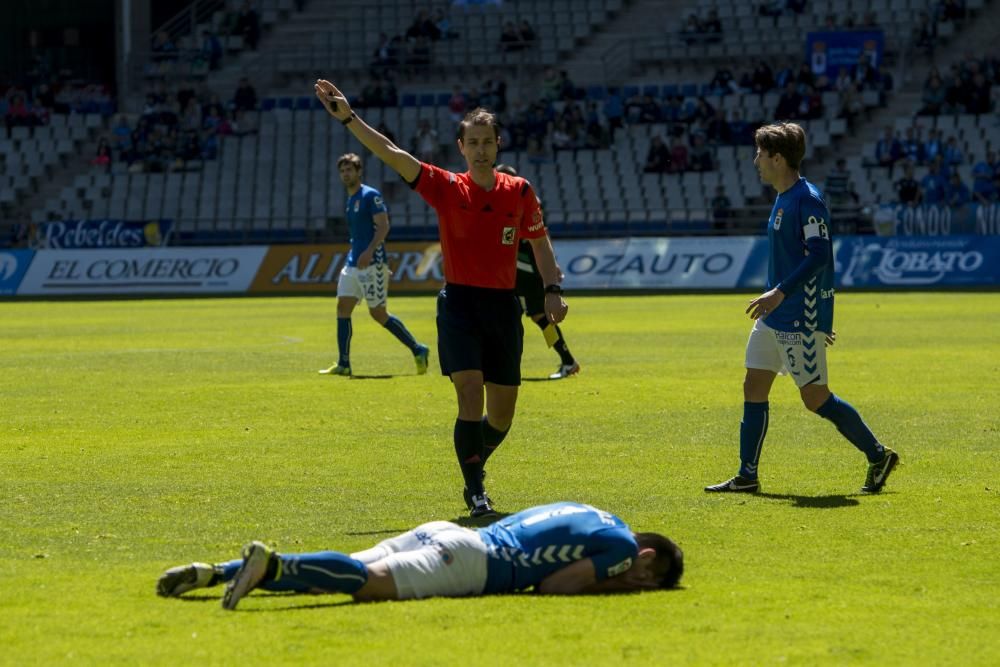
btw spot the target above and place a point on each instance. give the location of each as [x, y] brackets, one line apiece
[803, 355]
[437, 559]
[370, 284]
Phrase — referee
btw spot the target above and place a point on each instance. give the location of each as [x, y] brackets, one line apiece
[481, 216]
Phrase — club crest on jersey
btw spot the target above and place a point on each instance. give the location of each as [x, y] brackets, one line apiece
[777, 219]
[620, 567]
[509, 233]
[357, 205]
[377, 201]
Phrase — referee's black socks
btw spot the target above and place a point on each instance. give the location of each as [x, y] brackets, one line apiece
[492, 438]
[469, 450]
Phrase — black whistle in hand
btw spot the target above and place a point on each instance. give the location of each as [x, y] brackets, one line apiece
[333, 102]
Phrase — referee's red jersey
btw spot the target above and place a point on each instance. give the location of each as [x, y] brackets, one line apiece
[480, 229]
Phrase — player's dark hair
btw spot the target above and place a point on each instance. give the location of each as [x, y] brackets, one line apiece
[669, 562]
[349, 158]
[785, 139]
[479, 116]
[506, 169]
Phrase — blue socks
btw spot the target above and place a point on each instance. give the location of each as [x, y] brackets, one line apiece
[753, 428]
[398, 329]
[328, 571]
[852, 426]
[344, 331]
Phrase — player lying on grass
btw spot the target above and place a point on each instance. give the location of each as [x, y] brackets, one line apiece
[559, 549]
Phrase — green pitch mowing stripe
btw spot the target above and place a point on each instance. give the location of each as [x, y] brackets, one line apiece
[136, 435]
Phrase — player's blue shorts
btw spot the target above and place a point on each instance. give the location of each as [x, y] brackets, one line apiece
[480, 329]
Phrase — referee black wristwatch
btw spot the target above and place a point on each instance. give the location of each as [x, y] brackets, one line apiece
[554, 288]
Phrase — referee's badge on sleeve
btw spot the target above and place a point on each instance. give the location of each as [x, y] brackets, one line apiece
[508, 236]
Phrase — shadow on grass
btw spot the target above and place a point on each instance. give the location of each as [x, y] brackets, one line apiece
[814, 502]
[541, 379]
[479, 522]
[387, 531]
[372, 377]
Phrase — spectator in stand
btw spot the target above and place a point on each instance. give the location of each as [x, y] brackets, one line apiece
[426, 145]
[527, 32]
[950, 10]
[958, 192]
[795, 6]
[423, 26]
[211, 49]
[614, 110]
[722, 83]
[19, 114]
[851, 104]
[691, 33]
[248, 26]
[934, 145]
[983, 190]
[719, 130]
[953, 154]
[772, 8]
[457, 104]
[924, 35]
[722, 208]
[869, 22]
[164, 49]
[551, 85]
[657, 157]
[701, 155]
[386, 53]
[493, 93]
[977, 95]
[740, 130]
[835, 188]
[442, 22]
[245, 97]
[510, 38]
[954, 97]
[678, 157]
[711, 27]
[102, 158]
[935, 185]
[865, 75]
[913, 150]
[907, 188]
[788, 103]
[763, 78]
[934, 96]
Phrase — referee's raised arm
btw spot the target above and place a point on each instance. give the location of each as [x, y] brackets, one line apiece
[392, 155]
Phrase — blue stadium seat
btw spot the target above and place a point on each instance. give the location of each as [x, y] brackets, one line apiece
[268, 104]
[285, 102]
[408, 100]
[426, 100]
[305, 103]
[442, 99]
[630, 91]
[689, 90]
[651, 90]
[671, 90]
[596, 93]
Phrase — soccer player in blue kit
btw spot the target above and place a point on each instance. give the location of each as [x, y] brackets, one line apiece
[794, 317]
[559, 549]
[365, 274]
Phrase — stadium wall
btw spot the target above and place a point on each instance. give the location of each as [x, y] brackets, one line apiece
[663, 264]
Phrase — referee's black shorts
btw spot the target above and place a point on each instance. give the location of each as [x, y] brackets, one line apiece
[531, 291]
[479, 329]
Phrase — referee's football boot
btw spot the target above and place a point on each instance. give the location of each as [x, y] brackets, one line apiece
[879, 472]
[565, 371]
[467, 495]
[735, 485]
[336, 369]
[420, 358]
[257, 557]
[481, 506]
[183, 578]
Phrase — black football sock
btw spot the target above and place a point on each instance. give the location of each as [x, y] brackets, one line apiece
[469, 450]
[492, 438]
[561, 347]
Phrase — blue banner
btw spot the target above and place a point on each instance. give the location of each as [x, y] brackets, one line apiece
[72, 234]
[13, 265]
[932, 220]
[827, 52]
[945, 261]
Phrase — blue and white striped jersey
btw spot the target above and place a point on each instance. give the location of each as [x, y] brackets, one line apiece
[799, 229]
[527, 547]
[362, 207]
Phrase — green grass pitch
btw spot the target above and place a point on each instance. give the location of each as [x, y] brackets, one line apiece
[136, 435]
